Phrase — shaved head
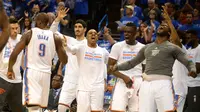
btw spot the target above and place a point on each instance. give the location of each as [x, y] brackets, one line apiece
[42, 19]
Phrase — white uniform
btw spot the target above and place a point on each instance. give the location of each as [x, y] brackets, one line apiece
[123, 96]
[180, 83]
[68, 93]
[39, 54]
[4, 59]
[91, 80]
[194, 56]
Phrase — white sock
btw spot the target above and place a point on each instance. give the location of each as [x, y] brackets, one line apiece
[34, 109]
[62, 108]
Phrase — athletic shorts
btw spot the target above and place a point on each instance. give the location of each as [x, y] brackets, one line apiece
[193, 99]
[124, 96]
[36, 86]
[90, 100]
[68, 93]
[157, 94]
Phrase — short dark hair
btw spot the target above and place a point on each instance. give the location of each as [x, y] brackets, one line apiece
[192, 31]
[84, 24]
[130, 24]
[190, 12]
[13, 20]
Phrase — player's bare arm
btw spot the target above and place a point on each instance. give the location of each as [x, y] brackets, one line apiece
[19, 47]
[4, 25]
[60, 49]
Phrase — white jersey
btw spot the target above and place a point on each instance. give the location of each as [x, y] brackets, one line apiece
[123, 52]
[194, 56]
[4, 59]
[91, 63]
[180, 77]
[72, 68]
[41, 50]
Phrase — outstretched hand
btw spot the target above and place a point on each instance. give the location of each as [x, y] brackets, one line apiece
[62, 13]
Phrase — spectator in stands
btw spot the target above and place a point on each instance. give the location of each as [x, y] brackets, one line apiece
[8, 7]
[152, 22]
[152, 5]
[50, 6]
[106, 41]
[63, 25]
[144, 35]
[81, 9]
[190, 25]
[55, 92]
[27, 25]
[129, 18]
[196, 18]
[137, 10]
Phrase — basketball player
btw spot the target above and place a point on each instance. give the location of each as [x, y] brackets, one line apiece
[122, 52]
[91, 60]
[69, 90]
[156, 89]
[11, 90]
[4, 26]
[41, 46]
[179, 71]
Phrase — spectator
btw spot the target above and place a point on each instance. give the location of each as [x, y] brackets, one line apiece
[27, 25]
[81, 9]
[196, 18]
[8, 7]
[152, 22]
[55, 92]
[190, 25]
[63, 25]
[137, 10]
[144, 35]
[152, 5]
[50, 6]
[129, 18]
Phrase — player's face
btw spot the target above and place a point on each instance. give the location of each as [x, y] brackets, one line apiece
[79, 29]
[163, 29]
[56, 82]
[92, 37]
[129, 34]
[14, 28]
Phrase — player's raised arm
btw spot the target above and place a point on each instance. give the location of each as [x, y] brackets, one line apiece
[60, 49]
[4, 25]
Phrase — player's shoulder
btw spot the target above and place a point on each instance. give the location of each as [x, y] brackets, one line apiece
[119, 44]
[140, 44]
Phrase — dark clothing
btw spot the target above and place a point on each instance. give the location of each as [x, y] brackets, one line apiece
[12, 94]
[193, 99]
[53, 99]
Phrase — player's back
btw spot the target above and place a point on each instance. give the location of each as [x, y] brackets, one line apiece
[41, 50]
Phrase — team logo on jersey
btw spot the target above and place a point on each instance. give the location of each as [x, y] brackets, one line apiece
[93, 56]
[129, 55]
[155, 52]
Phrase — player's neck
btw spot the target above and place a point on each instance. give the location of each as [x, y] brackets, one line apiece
[195, 45]
[79, 38]
[160, 40]
[13, 37]
[131, 43]
[92, 45]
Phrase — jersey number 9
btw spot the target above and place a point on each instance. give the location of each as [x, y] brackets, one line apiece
[42, 49]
